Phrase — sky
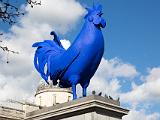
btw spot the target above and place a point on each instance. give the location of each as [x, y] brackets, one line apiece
[130, 66]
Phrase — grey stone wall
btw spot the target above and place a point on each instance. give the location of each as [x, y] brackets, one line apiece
[91, 116]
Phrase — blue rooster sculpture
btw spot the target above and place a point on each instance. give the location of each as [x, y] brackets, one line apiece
[79, 62]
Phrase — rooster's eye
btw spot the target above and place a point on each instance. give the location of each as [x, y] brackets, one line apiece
[100, 14]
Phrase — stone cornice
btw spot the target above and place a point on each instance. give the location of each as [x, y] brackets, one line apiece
[51, 88]
[55, 89]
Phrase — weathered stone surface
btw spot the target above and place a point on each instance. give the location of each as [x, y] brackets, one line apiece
[87, 108]
[11, 114]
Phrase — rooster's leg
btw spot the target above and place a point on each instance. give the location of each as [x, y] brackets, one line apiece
[84, 91]
[74, 80]
[74, 91]
[84, 85]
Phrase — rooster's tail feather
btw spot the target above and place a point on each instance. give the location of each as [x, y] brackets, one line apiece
[46, 50]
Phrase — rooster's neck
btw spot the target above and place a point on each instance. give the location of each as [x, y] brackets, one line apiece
[88, 30]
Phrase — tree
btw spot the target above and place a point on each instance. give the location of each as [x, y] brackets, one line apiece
[9, 13]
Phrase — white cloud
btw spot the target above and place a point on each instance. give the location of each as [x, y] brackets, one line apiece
[65, 43]
[114, 68]
[18, 88]
[147, 91]
[18, 79]
[141, 115]
[60, 14]
[154, 74]
[106, 78]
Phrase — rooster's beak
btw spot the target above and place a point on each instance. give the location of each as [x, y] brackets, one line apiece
[103, 23]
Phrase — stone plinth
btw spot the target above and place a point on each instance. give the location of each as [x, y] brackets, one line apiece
[87, 108]
[49, 95]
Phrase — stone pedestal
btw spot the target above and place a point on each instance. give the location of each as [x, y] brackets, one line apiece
[87, 108]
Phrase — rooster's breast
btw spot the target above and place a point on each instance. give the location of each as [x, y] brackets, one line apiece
[86, 64]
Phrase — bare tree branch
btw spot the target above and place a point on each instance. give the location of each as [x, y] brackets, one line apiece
[5, 48]
[32, 3]
[9, 12]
